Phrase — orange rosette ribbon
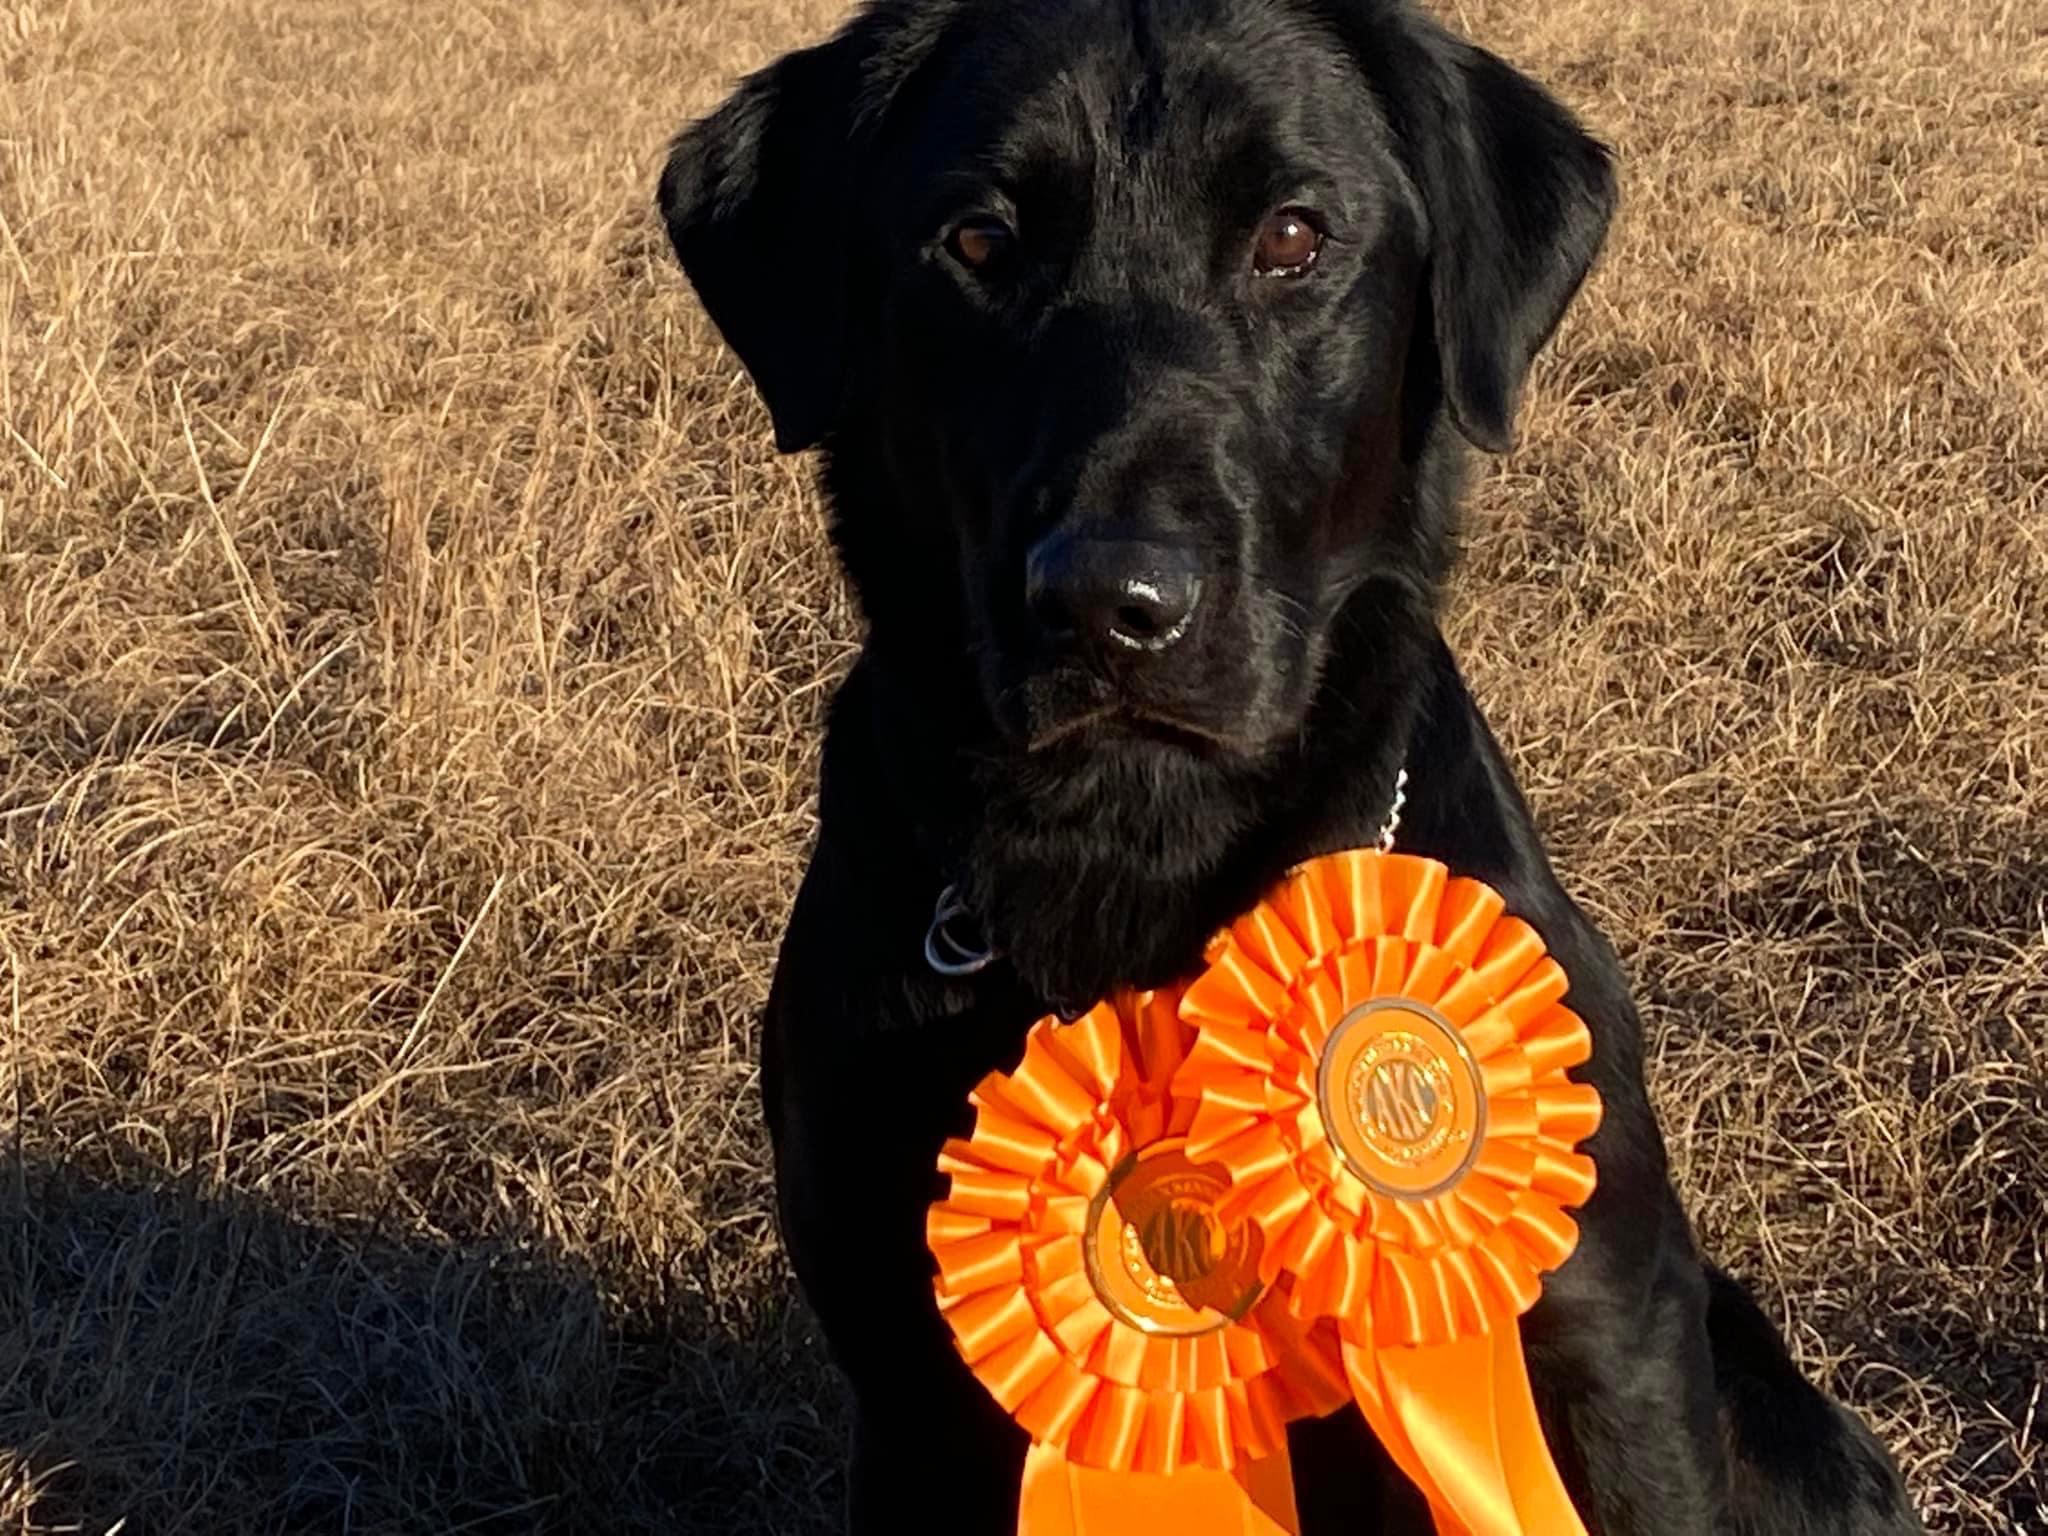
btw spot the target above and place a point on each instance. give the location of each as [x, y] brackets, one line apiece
[1094, 1290]
[1380, 1067]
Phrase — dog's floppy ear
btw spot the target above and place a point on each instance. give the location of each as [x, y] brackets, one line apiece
[1519, 198]
[757, 203]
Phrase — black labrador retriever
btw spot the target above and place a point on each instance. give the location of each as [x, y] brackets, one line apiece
[1143, 339]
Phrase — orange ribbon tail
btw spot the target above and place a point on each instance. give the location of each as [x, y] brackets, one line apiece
[1063, 1498]
[1460, 1420]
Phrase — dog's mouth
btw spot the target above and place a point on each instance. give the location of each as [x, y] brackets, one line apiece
[1062, 706]
[1126, 723]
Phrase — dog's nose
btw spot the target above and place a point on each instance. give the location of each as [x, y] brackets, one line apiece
[1132, 594]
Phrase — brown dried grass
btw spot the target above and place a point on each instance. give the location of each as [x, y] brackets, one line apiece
[411, 660]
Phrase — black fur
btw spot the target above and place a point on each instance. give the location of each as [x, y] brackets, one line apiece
[1122, 375]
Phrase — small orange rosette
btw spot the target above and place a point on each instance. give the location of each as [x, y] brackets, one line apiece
[1093, 1288]
[1380, 1064]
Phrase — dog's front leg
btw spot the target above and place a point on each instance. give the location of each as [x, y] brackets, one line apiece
[947, 1460]
[1624, 1374]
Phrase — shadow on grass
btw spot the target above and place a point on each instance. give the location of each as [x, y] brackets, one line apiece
[189, 1363]
[196, 1364]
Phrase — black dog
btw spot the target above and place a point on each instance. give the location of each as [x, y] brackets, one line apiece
[1142, 338]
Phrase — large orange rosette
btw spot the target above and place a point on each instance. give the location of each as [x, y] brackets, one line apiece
[1093, 1289]
[1380, 1061]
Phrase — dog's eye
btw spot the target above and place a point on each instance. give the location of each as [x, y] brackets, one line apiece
[981, 243]
[1289, 243]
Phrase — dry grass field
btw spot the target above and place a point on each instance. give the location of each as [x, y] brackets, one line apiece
[411, 659]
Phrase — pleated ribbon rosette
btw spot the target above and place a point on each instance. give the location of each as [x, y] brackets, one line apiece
[1335, 1167]
[1380, 1061]
[1093, 1291]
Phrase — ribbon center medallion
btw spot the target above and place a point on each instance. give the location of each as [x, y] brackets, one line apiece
[1401, 1098]
[1157, 1253]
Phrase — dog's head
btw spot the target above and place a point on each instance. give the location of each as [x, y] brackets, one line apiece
[1133, 331]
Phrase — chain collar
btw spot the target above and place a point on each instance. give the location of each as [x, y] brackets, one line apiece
[1385, 841]
[955, 946]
